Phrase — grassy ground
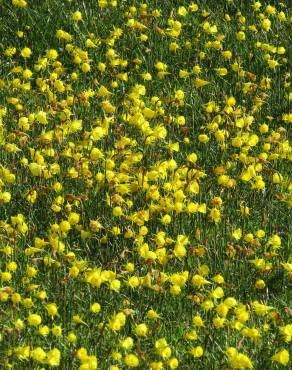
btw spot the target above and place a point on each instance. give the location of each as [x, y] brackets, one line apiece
[145, 185]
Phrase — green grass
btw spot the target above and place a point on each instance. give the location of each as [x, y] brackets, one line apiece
[270, 208]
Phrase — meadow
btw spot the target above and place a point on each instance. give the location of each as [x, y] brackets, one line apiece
[145, 185]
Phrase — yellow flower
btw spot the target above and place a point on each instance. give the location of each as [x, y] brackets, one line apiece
[5, 197]
[281, 16]
[85, 67]
[214, 215]
[16, 298]
[260, 284]
[6, 276]
[52, 309]
[218, 322]
[173, 46]
[77, 319]
[173, 363]
[72, 338]
[26, 52]
[19, 3]
[127, 343]
[117, 211]
[38, 354]
[73, 218]
[207, 305]
[52, 54]
[287, 266]
[56, 330]
[222, 309]
[231, 101]
[240, 36]
[41, 116]
[219, 279]
[261, 309]
[266, 24]
[131, 360]
[241, 361]
[282, 357]
[273, 63]
[244, 210]
[221, 71]
[237, 234]
[64, 226]
[286, 332]
[197, 321]
[197, 351]
[141, 330]
[74, 271]
[251, 333]
[95, 307]
[217, 293]
[152, 315]
[200, 83]
[53, 357]
[227, 54]
[77, 16]
[115, 285]
[34, 319]
[75, 126]
[44, 330]
[277, 178]
[182, 11]
[22, 352]
[270, 9]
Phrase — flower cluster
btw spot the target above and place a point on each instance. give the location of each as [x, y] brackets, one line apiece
[145, 191]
